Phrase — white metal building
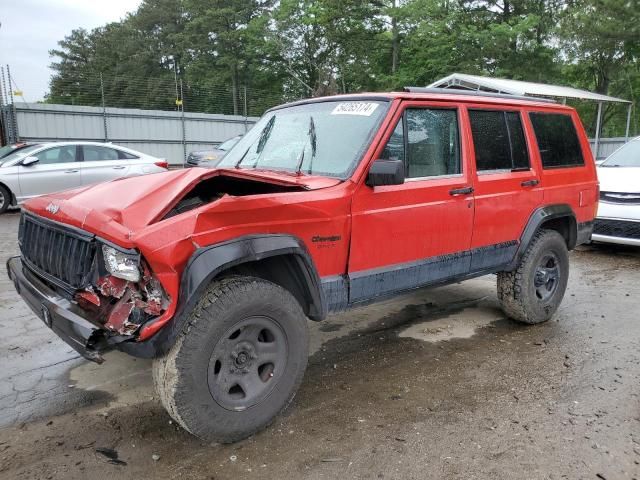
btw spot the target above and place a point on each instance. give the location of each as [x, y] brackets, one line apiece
[517, 87]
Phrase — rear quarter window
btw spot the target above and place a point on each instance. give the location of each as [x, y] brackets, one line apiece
[122, 155]
[557, 140]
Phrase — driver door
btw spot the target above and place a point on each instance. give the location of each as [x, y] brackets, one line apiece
[57, 169]
[418, 233]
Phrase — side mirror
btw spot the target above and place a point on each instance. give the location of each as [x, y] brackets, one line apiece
[386, 172]
[29, 161]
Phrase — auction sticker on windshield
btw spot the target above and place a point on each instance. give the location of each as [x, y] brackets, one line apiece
[355, 108]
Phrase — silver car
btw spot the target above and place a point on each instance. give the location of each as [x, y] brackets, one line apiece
[618, 219]
[211, 158]
[50, 167]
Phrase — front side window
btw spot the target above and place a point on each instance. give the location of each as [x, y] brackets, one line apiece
[94, 153]
[18, 154]
[427, 141]
[321, 138]
[228, 144]
[64, 154]
[498, 140]
[394, 149]
[557, 140]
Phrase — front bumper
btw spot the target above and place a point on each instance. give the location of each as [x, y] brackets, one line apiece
[621, 231]
[63, 317]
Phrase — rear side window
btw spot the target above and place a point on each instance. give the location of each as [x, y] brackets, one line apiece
[557, 140]
[126, 155]
[93, 153]
[498, 140]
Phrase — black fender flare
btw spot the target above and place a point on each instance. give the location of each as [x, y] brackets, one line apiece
[538, 218]
[206, 263]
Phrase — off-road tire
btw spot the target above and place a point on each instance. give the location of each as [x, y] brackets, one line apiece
[5, 199]
[517, 289]
[182, 377]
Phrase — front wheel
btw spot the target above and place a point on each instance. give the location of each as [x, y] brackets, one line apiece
[532, 293]
[238, 363]
[5, 199]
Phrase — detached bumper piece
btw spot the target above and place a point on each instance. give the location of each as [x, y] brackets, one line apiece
[58, 313]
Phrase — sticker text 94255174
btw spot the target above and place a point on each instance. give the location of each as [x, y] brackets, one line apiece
[355, 108]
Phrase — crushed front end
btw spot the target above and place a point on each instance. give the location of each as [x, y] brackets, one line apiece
[92, 293]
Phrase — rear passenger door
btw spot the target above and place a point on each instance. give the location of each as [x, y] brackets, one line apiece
[101, 163]
[418, 233]
[506, 182]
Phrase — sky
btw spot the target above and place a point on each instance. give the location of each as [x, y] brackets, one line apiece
[30, 28]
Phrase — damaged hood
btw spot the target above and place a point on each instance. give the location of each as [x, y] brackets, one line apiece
[116, 209]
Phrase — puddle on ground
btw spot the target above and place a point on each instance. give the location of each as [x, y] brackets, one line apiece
[464, 324]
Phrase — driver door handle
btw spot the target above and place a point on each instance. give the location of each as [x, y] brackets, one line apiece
[530, 183]
[461, 191]
[71, 171]
[119, 167]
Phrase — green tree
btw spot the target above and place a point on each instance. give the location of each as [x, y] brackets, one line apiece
[601, 39]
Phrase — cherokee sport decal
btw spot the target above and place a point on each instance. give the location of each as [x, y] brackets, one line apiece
[330, 238]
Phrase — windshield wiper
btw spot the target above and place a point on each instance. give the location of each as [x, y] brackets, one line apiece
[262, 141]
[264, 138]
[311, 133]
[237, 165]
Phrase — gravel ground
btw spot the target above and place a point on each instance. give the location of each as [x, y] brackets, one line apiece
[436, 384]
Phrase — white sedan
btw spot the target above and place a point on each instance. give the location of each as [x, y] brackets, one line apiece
[50, 167]
[618, 219]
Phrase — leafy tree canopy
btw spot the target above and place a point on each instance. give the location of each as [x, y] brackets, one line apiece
[223, 56]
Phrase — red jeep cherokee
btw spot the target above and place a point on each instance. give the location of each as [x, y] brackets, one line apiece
[326, 204]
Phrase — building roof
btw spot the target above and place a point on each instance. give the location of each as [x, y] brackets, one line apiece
[517, 87]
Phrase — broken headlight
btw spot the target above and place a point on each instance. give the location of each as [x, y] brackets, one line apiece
[120, 264]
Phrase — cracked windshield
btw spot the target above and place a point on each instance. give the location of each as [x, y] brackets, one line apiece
[326, 138]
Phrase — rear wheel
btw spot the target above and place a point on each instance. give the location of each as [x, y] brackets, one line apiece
[532, 293]
[5, 198]
[238, 363]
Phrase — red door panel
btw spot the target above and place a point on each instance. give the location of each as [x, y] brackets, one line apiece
[504, 199]
[395, 226]
[403, 223]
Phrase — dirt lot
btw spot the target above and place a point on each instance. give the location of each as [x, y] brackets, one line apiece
[436, 384]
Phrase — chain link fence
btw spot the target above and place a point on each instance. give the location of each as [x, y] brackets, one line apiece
[116, 95]
[171, 93]
[153, 115]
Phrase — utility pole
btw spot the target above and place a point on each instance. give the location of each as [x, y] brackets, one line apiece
[184, 132]
[3, 127]
[246, 113]
[104, 110]
[175, 75]
[14, 116]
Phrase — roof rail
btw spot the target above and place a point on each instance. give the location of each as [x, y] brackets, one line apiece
[461, 91]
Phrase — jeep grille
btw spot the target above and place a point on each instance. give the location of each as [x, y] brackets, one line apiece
[61, 255]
